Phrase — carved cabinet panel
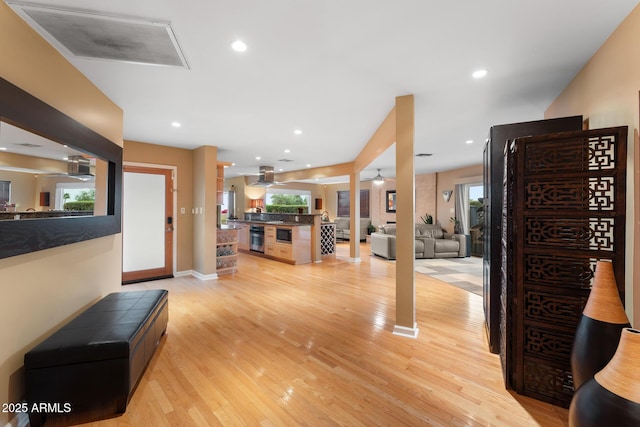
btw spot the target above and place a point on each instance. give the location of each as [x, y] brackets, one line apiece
[564, 210]
[493, 198]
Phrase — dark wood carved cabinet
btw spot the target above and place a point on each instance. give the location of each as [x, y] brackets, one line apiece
[493, 202]
[564, 209]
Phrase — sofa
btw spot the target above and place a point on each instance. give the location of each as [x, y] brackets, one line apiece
[431, 242]
[343, 228]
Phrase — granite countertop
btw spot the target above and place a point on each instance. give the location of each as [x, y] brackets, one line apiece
[284, 223]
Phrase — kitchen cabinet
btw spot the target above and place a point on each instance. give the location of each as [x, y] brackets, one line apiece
[243, 236]
[227, 251]
[269, 240]
[298, 251]
[283, 251]
[220, 182]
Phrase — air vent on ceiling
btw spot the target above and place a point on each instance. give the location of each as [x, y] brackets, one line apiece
[97, 36]
[424, 155]
[285, 160]
[28, 145]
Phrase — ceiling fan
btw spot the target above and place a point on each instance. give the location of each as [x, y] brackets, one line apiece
[379, 179]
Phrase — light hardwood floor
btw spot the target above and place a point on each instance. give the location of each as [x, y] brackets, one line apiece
[311, 345]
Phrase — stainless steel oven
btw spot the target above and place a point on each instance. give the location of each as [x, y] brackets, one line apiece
[256, 238]
[283, 235]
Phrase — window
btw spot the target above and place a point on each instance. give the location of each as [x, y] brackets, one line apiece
[344, 205]
[5, 191]
[470, 213]
[288, 197]
[73, 191]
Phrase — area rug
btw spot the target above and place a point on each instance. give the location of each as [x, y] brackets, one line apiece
[464, 273]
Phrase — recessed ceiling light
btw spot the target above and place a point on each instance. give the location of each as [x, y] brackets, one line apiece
[280, 170]
[176, 124]
[478, 74]
[469, 141]
[258, 157]
[239, 46]
[297, 132]
[308, 165]
[287, 151]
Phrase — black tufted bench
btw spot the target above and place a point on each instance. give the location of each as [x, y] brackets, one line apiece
[97, 357]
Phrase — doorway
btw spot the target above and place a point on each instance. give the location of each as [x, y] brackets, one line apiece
[470, 213]
[147, 224]
[476, 218]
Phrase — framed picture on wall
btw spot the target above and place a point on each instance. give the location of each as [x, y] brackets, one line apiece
[391, 201]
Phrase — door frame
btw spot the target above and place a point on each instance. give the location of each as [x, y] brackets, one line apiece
[174, 198]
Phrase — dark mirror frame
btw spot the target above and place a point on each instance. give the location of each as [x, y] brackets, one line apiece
[23, 110]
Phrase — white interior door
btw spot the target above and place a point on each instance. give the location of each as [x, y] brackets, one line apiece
[147, 225]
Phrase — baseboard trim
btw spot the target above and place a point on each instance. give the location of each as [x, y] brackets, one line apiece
[201, 276]
[406, 332]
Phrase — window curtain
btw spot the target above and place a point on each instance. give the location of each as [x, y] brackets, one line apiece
[462, 207]
[5, 191]
[344, 203]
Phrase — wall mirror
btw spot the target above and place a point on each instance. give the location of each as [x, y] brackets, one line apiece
[45, 179]
[60, 182]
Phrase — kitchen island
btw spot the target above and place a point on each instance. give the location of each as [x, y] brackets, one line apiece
[282, 237]
[288, 243]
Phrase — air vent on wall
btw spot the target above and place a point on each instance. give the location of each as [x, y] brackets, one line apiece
[97, 36]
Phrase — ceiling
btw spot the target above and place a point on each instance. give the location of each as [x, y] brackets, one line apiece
[332, 69]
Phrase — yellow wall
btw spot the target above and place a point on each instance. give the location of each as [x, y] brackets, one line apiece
[23, 188]
[606, 92]
[205, 175]
[447, 181]
[242, 200]
[429, 188]
[42, 290]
